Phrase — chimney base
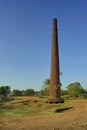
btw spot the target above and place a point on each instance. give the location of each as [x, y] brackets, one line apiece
[55, 100]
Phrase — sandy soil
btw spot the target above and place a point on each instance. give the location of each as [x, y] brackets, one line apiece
[71, 118]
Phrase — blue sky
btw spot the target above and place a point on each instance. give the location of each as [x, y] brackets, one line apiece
[25, 41]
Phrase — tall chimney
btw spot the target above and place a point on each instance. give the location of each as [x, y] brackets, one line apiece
[55, 69]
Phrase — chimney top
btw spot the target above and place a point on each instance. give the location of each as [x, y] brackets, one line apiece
[54, 24]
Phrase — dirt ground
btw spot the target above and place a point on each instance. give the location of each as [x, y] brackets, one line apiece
[70, 118]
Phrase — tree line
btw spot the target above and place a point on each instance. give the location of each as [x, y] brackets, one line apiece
[73, 89]
[6, 90]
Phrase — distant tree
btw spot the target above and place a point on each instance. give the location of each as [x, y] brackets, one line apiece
[75, 89]
[64, 92]
[8, 89]
[85, 93]
[17, 92]
[4, 90]
[29, 92]
[37, 93]
[86, 90]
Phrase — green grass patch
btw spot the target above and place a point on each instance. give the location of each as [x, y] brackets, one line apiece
[31, 106]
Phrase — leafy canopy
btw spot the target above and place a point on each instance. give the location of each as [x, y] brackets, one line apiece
[75, 89]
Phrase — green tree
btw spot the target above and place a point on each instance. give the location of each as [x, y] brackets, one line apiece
[86, 91]
[75, 89]
[45, 88]
[46, 83]
[8, 89]
[29, 92]
[64, 92]
[4, 90]
[17, 92]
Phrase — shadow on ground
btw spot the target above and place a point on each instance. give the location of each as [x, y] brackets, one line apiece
[59, 110]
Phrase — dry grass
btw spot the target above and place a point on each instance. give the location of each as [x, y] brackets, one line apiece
[72, 115]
